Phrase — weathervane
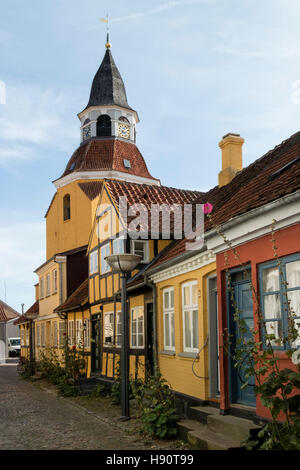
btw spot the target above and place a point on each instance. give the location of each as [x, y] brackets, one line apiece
[106, 20]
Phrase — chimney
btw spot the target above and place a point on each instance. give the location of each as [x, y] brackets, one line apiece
[232, 161]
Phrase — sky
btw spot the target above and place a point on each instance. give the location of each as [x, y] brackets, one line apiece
[194, 70]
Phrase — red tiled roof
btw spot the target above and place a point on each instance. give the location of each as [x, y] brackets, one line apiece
[254, 186]
[150, 195]
[34, 308]
[78, 298]
[21, 319]
[91, 189]
[107, 154]
[7, 312]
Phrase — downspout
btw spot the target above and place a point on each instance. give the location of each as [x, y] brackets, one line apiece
[154, 295]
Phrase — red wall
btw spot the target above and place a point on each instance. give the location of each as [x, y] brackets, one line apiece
[254, 253]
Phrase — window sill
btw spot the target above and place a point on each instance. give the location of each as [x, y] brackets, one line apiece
[167, 353]
[189, 355]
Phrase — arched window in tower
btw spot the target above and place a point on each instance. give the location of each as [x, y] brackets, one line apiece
[67, 207]
[103, 126]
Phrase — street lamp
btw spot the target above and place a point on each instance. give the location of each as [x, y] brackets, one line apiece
[31, 316]
[123, 264]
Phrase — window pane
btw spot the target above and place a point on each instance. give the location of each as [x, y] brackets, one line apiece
[187, 326]
[140, 340]
[186, 295]
[274, 328]
[294, 301]
[270, 279]
[195, 329]
[272, 306]
[134, 327]
[194, 294]
[166, 299]
[167, 330]
[140, 326]
[172, 331]
[133, 340]
[293, 274]
[296, 344]
[172, 298]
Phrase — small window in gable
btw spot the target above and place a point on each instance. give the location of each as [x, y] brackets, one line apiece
[127, 164]
[67, 207]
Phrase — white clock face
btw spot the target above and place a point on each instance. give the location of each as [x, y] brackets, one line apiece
[124, 130]
[86, 132]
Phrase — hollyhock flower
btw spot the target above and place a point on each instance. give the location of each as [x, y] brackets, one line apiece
[207, 208]
[74, 347]
[296, 357]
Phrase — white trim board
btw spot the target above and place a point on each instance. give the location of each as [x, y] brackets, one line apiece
[100, 175]
[196, 262]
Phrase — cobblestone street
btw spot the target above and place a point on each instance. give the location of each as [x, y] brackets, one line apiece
[34, 418]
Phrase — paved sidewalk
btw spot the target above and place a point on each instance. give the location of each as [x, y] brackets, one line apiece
[34, 418]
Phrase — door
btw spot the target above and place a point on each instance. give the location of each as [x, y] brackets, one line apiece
[150, 339]
[96, 344]
[243, 298]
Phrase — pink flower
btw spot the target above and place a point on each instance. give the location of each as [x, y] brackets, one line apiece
[207, 208]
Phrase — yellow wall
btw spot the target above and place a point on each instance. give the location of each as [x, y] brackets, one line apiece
[175, 369]
[66, 235]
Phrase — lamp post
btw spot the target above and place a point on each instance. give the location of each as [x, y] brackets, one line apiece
[31, 316]
[123, 264]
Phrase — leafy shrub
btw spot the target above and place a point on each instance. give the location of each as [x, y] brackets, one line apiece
[101, 390]
[67, 389]
[50, 366]
[156, 406]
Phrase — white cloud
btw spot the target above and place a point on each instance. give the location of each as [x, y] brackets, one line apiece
[11, 153]
[34, 116]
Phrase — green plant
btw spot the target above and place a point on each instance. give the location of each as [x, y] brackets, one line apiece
[67, 389]
[75, 362]
[23, 367]
[101, 390]
[156, 406]
[50, 366]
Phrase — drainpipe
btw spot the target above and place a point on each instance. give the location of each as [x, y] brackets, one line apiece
[154, 295]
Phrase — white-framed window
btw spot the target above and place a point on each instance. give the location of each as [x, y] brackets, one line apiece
[55, 334]
[86, 332]
[54, 281]
[190, 316]
[38, 335]
[79, 333]
[137, 327]
[43, 335]
[94, 262]
[42, 288]
[119, 329]
[104, 251]
[62, 333]
[118, 246]
[48, 284]
[141, 248]
[108, 329]
[168, 315]
[27, 336]
[71, 337]
[23, 336]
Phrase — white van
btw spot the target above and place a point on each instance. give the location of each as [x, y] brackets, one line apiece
[14, 347]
